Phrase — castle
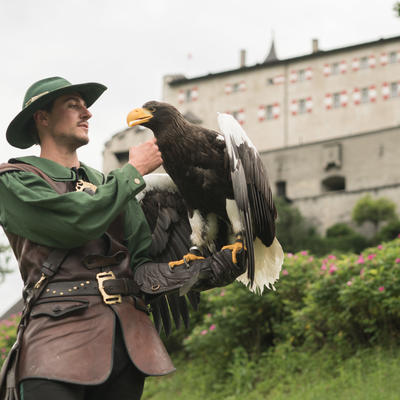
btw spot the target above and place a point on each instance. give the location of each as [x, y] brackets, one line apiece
[326, 123]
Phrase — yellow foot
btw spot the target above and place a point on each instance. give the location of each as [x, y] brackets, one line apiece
[235, 247]
[186, 258]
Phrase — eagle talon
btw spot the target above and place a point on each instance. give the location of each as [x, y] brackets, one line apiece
[235, 248]
[185, 260]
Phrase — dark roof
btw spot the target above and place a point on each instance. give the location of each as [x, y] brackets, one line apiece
[319, 53]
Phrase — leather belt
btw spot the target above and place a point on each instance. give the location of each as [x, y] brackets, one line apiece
[106, 285]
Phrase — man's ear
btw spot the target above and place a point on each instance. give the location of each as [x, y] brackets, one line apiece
[41, 117]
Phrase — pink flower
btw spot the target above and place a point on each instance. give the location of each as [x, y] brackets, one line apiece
[304, 252]
[212, 327]
[323, 267]
[311, 259]
[222, 293]
[398, 235]
[204, 332]
[332, 269]
[362, 270]
[332, 257]
[360, 259]
[380, 247]
[381, 288]
[285, 272]
[209, 315]
[371, 256]
[397, 260]
[290, 255]
[349, 283]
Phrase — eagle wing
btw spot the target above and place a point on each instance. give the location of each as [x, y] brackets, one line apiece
[167, 217]
[251, 189]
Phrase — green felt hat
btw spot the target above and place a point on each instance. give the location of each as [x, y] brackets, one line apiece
[40, 94]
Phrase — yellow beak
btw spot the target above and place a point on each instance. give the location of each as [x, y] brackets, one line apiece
[138, 116]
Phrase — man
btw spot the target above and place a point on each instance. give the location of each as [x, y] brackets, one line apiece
[79, 239]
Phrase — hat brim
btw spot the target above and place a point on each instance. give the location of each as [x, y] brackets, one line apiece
[17, 132]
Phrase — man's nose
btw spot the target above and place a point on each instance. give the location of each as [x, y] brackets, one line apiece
[86, 113]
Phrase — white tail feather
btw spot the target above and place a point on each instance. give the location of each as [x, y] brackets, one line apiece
[268, 263]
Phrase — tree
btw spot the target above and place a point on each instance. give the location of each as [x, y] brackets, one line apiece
[294, 231]
[374, 211]
[4, 259]
[396, 8]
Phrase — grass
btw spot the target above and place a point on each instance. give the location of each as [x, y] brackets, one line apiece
[285, 374]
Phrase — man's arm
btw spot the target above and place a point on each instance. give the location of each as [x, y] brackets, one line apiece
[29, 207]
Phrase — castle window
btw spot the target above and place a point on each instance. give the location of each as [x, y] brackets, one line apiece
[270, 112]
[281, 188]
[335, 70]
[393, 57]
[334, 183]
[364, 63]
[122, 157]
[188, 95]
[301, 75]
[270, 81]
[235, 87]
[364, 95]
[394, 89]
[336, 100]
[302, 106]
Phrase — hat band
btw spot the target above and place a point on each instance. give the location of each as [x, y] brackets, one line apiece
[32, 99]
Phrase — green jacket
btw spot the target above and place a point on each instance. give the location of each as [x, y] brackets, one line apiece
[30, 208]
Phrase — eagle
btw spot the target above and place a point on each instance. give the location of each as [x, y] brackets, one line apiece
[223, 185]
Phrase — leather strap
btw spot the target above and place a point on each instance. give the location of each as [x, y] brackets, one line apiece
[122, 286]
[17, 166]
[8, 380]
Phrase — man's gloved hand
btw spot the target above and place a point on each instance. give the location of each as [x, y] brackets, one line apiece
[214, 271]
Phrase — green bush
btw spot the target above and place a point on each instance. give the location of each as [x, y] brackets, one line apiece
[356, 300]
[389, 232]
[374, 211]
[346, 301]
[341, 237]
[8, 330]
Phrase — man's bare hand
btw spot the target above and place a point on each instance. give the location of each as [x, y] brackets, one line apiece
[145, 157]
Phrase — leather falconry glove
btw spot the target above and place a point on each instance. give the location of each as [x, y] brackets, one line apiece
[214, 271]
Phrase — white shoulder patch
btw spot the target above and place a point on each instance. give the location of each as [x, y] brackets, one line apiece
[161, 182]
[232, 130]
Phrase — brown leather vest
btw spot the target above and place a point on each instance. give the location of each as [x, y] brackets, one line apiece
[70, 338]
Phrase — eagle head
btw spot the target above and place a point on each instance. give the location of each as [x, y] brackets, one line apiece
[155, 115]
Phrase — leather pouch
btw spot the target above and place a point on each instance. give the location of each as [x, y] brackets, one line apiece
[59, 308]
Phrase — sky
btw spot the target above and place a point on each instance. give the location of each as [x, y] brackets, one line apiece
[129, 45]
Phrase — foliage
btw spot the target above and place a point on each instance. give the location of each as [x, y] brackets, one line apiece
[396, 8]
[374, 210]
[342, 238]
[286, 373]
[4, 260]
[295, 232]
[340, 300]
[316, 336]
[389, 232]
[8, 329]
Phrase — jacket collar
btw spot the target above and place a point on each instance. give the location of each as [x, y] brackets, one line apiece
[58, 172]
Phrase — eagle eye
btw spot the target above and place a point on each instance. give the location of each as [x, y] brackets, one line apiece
[151, 109]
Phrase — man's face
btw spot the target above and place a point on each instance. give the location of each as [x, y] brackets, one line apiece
[68, 121]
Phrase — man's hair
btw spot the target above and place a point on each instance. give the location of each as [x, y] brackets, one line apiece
[32, 130]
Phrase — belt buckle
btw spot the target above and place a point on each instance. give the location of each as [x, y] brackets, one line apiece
[107, 298]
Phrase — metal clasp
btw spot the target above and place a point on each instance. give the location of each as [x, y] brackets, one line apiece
[107, 298]
[40, 281]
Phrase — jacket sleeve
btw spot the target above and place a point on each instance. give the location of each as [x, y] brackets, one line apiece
[30, 208]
